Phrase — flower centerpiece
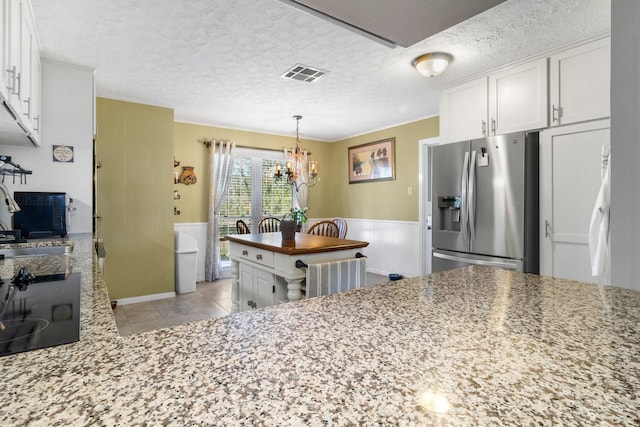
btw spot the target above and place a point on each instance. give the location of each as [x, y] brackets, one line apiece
[299, 215]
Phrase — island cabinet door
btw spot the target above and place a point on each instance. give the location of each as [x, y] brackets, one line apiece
[245, 290]
[257, 288]
[265, 288]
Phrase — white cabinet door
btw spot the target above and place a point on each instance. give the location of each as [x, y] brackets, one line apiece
[507, 101]
[265, 288]
[463, 111]
[570, 168]
[258, 288]
[247, 290]
[35, 104]
[21, 73]
[518, 98]
[579, 83]
[4, 47]
[13, 53]
[27, 46]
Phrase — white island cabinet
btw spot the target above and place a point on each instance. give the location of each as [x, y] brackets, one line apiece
[263, 266]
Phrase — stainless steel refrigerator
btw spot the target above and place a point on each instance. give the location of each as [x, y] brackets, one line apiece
[485, 203]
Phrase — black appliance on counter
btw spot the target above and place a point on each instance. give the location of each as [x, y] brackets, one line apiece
[41, 215]
[39, 311]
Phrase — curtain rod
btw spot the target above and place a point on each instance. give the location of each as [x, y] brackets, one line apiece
[208, 142]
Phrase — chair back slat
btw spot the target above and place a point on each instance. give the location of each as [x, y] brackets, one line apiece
[324, 228]
[269, 224]
[242, 227]
[342, 227]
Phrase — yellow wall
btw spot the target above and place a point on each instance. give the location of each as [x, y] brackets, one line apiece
[384, 200]
[134, 197]
[333, 195]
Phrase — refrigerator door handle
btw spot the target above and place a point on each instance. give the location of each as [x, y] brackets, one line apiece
[499, 264]
[464, 221]
[471, 205]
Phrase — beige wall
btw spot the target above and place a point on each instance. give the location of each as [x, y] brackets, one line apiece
[134, 197]
[333, 195]
[136, 145]
[190, 151]
[384, 200]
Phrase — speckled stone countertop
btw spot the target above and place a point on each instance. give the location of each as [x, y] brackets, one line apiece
[467, 347]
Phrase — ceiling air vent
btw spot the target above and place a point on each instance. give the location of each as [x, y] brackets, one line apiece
[303, 73]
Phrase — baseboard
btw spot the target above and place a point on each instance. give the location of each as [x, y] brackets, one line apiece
[146, 298]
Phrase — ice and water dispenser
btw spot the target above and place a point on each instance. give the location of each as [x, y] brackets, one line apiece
[449, 207]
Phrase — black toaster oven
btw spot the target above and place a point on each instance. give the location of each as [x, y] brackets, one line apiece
[41, 214]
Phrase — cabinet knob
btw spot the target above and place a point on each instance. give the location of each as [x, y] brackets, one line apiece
[245, 252]
[259, 257]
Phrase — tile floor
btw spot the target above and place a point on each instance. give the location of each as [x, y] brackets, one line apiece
[211, 299]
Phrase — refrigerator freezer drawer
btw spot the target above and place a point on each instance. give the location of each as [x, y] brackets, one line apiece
[445, 260]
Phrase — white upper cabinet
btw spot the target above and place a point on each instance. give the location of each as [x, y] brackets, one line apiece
[4, 60]
[29, 70]
[518, 98]
[580, 83]
[511, 100]
[463, 111]
[20, 84]
[13, 51]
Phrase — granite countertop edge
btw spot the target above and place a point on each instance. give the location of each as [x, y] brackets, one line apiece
[473, 346]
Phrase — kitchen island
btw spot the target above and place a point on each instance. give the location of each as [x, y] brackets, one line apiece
[260, 261]
[472, 346]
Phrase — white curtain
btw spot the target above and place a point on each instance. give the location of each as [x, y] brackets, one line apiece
[220, 170]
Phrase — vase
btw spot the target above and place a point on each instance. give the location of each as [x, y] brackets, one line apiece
[188, 175]
[288, 229]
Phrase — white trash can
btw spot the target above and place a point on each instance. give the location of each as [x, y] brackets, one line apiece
[186, 262]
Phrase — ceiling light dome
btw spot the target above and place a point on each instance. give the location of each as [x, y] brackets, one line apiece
[432, 64]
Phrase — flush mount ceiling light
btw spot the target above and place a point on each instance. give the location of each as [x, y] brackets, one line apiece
[432, 64]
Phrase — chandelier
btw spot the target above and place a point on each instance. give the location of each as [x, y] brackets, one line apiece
[298, 169]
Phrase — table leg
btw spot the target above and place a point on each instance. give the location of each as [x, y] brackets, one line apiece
[235, 287]
[293, 289]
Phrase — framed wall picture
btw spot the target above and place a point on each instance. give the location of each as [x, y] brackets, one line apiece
[63, 153]
[375, 161]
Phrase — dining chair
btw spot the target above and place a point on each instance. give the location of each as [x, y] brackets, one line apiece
[342, 227]
[324, 228]
[242, 227]
[269, 224]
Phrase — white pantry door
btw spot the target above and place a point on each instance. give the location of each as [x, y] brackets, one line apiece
[570, 165]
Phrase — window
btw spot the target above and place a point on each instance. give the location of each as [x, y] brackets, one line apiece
[253, 192]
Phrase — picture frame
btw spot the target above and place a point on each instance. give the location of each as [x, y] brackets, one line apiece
[374, 161]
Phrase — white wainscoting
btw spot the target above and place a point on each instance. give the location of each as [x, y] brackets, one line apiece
[394, 246]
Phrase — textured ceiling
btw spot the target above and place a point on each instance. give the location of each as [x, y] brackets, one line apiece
[219, 62]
